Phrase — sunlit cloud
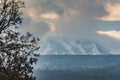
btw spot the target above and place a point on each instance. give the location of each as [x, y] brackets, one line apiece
[113, 34]
[113, 10]
[52, 27]
[33, 14]
[50, 15]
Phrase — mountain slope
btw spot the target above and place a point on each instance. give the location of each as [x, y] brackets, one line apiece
[64, 46]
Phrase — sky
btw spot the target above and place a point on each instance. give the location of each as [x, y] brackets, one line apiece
[98, 20]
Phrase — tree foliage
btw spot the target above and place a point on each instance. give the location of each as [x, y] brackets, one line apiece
[16, 50]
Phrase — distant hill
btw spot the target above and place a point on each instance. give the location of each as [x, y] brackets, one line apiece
[64, 46]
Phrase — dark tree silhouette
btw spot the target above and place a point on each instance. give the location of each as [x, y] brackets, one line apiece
[16, 50]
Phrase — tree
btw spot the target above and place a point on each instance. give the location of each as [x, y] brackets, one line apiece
[16, 50]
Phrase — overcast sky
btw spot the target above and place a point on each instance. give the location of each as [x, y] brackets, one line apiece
[98, 20]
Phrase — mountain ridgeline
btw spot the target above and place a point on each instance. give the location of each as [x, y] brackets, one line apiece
[64, 46]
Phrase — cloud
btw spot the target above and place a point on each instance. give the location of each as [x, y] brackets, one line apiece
[52, 27]
[113, 10]
[40, 16]
[73, 18]
[50, 15]
[34, 15]
[65, 17]
[113, 34]
[37, 16]
[37, 28]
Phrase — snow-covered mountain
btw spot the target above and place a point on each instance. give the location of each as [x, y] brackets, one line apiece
[65, 46]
